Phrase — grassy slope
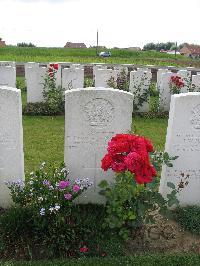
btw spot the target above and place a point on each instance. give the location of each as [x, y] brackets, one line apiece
[119, 56]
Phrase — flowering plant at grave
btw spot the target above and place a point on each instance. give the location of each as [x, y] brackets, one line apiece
[53, 94]
[121, 83]
[141, 90]
[48, 193]
[176, 83]
[135, 191]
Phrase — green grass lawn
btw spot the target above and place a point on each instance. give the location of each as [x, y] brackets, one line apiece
[44, 137]
[145, 260]
[119, 56]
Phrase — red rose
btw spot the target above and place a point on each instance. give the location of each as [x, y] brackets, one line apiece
[118, 147]
[134, 162]
[106, 162]
[145, 175]
[55, 66]
[118, 167]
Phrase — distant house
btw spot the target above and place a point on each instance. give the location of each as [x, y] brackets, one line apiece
[75, 45]
[192, 51]
[2, 43]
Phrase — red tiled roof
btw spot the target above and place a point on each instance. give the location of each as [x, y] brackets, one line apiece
[194, 49]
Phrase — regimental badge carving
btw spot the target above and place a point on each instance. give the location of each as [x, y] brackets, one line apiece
[195, 120]
[98, 112]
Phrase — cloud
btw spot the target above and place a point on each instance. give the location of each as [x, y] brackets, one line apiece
[47, 1]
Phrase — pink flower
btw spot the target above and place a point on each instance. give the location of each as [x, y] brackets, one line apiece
[68, 196]
[84, 249]
[63, 184]
[76, 188]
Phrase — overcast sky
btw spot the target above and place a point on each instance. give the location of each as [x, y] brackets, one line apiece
[121, 23]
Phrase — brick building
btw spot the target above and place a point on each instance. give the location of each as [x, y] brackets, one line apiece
[75, 45]
[192, 51]
[2, 43]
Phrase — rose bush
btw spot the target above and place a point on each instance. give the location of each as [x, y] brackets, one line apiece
[176, 83]
[133, 196]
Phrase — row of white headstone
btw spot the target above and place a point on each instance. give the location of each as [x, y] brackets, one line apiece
[72, 77]
[93, 117]
[140, 80]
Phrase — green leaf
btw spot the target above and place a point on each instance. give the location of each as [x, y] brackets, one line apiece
[165, 156]
[103, 184]
[168, 164]
[171, 185]
[174, 158]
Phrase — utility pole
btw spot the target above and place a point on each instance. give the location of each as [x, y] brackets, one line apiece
[97, 43]
[175, 49]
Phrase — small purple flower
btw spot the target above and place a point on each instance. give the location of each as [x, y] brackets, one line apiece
[76, 188]
[68, 196]
[46, 183]
[63, 184]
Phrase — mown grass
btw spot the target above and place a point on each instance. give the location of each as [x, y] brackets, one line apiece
[119, 56]
[145, 260]
[44, 137]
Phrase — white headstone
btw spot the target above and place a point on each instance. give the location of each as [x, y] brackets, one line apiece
[92, 118]
[103, 76]
[195, 83]
[186, 77]
[96, 67]
[11, 141]
[35, 80]
[7, 63]
[76, 66]
[159, 76]
[183, 140]
[144, 69]
[139, 85]
[7, 75]
[164, 92]
[72, 78]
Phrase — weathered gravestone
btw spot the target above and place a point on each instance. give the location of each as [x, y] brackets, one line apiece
[103, 76]
[195, 86]
[97, 67]
[76, 66]
[186, 77]
[72, 78]
[183, 140]
[92, 118]
[7, 63]
[159, 77]
[7, 75]
[139, 85]
[11, 141]
[35, 80]
[164, 91]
